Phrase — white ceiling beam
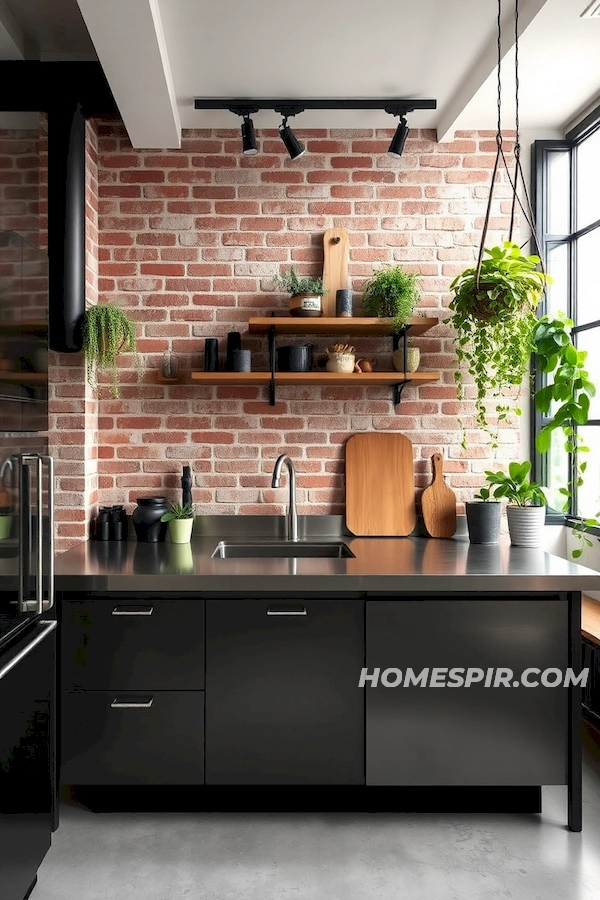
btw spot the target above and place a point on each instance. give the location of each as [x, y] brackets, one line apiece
[483, 67]
[130, 43]
[12, 39]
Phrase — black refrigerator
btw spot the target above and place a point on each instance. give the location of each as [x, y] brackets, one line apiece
[28, 783]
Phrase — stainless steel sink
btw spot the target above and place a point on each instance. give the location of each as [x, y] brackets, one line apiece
[282, 549]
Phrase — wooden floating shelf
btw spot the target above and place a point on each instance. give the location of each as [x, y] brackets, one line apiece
[353, 325]
[316, 378]
[24, 377]
[16, 329]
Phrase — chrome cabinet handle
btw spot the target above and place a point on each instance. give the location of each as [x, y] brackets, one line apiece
[286, 612]
[141, 611]
[129, 704]
[49, 626]
[49, 603]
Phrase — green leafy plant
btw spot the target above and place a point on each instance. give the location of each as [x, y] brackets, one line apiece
[494, 319]
[392, 293]
[566, 398]
[515, 486]
[293, 284]
[107, 332]
[178, 512]
[484, 494]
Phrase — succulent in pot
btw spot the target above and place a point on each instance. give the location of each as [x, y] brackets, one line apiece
[526, 510]
[483, 518]
[305, 292]
[180, 522]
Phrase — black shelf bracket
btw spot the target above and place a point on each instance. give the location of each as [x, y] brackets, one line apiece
[272, 365]
[398, 388]
[396, 338]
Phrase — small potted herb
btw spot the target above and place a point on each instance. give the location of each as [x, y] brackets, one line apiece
[305, 292]
[181, 522]
[483, 518]
[526, 510]
[392, 293]
[107, 332]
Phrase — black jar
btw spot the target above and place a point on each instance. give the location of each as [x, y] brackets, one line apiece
[146, 519]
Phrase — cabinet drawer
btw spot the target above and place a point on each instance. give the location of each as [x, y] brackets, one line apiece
[120, 643]
[132, 738]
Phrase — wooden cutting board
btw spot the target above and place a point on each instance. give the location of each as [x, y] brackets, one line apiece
[380, 487]
[439, 503]
[336, 252]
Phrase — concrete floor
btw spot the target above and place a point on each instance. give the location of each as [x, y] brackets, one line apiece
[333, 856]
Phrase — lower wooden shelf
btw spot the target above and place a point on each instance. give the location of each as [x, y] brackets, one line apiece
[316, 378]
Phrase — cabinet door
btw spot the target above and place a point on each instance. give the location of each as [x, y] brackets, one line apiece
[120, 643]
[283, 704]
[466, 736]
[132, 738]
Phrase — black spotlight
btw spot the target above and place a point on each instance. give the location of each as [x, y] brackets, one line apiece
[248, 137]
[292, 144]
[396, 148]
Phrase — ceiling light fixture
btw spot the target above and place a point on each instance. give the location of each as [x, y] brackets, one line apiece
[248, 137]
[292, 144]
[396, 147]
[592, 11]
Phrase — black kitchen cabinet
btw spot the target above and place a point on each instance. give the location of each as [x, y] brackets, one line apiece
[125, 643]
[466, 736]
[128, 738]
[283, 704]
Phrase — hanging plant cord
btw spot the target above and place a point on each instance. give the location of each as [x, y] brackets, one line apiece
[519, 177]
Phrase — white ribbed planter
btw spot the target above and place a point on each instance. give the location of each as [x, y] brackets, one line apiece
[525, 524]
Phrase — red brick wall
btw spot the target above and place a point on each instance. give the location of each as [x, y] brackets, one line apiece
[188, 242]
[20, 167]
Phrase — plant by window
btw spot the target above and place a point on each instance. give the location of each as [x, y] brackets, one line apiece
[392, 293]
[293, 284]
[515, 486]
[107, 332]
[566, 397]
[493, 314]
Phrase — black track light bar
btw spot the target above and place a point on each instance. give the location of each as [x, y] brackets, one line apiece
[247, 107]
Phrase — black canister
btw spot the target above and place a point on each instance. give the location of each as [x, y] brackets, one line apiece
[146, 519]
[119, 523]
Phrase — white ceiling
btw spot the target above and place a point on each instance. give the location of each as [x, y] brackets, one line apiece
[160, 54]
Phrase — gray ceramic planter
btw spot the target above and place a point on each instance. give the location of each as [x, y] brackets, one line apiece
[483, 521]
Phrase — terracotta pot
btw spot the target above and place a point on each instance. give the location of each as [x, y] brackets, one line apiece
[306, 305]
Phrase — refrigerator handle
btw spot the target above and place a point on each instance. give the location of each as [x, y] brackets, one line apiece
[49, 603]
[39, 524]
[24, 529]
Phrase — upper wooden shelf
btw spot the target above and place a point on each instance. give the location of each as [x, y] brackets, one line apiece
[24, 377]
[15, 329]
[320, 378]
[338, 325]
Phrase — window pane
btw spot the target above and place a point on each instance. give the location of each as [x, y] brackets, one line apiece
[588, 182]
[557, 293]
[590, 340]
[588, 497]
[559, 188]
[558, 468]
[588, 291]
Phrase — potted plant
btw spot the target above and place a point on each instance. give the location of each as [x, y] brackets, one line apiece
[493, 314]
[6, 519]
[107, 332]
[526, 510]
[483, 518]
[305, 292]
[392, 293]
[181, 522]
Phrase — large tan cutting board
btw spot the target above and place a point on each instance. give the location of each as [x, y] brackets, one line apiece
[336, 252]
[380, 487]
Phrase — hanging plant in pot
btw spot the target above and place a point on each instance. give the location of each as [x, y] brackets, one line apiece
[526, 510]
[107, 332]
[483, 518]
[305, 292]
[493, 314]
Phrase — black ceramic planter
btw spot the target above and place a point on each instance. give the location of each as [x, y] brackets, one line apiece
[483, 521]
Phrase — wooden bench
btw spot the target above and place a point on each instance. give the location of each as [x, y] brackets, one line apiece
[590, 620]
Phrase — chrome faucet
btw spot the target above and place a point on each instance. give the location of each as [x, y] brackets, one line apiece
[292, 515]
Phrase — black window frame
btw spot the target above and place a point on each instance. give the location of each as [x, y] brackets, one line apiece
[546, 240]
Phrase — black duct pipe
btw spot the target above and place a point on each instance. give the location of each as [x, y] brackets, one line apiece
[66, 226]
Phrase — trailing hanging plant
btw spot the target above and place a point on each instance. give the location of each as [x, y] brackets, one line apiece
[107, 332]
[566, 398]
[392, 293]
[493, 314]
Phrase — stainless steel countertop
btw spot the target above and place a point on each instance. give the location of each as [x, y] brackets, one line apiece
[381, 564]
